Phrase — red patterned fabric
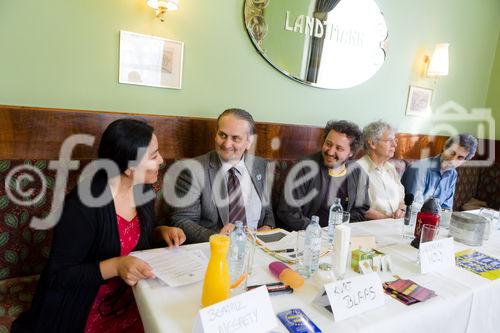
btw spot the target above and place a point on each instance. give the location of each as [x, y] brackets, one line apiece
[24, 251]
[124, 315]
[15, 297]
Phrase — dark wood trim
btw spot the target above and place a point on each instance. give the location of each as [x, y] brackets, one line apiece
[37, 133]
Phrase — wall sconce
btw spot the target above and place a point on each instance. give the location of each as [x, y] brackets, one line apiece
[438, 63]
[161, 7]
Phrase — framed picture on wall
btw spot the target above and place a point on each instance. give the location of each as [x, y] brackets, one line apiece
[150, 61]
[419, 101]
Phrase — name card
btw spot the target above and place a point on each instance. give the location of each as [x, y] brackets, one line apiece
[249, 312]
[356, 295]
[437, 255]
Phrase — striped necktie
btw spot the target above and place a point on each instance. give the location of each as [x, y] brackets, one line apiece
[236, 204]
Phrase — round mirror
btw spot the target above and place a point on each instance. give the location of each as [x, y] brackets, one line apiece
[330, 44]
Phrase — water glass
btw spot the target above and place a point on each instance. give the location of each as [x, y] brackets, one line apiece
[428, 233]
[445, 218]
[338, 219]
[252, 244]
[239, 284]
[299, 252]
[497, 222]
[407, 231]
[335, 218]
[346, 217]
[493, 218]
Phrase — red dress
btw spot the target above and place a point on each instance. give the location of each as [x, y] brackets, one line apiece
[114, 308]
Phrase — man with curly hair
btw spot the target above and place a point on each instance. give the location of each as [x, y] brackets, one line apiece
[316, 180]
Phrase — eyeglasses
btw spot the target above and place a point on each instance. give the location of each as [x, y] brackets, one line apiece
[395, 140]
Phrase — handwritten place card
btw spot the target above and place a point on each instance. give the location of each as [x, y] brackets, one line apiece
[437, 255]
[246, 313]
[352, 296]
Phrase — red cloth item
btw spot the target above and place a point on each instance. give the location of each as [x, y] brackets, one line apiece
[114, 308]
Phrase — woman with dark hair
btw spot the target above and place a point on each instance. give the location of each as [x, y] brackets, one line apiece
[85, 285]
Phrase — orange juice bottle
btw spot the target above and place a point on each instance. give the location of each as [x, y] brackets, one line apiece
[216, 284]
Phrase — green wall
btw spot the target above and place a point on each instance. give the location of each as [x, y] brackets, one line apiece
[64, 54]
[278, 44]
[493, 101]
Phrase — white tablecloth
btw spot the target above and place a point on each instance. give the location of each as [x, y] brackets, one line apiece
[465, 301]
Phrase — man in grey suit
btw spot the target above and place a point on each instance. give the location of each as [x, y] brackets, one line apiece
[223, 186]
[316, 180]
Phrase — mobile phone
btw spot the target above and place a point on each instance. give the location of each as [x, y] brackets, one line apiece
[276, 288]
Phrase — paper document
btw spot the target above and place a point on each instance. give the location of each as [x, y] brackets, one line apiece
[176, 267]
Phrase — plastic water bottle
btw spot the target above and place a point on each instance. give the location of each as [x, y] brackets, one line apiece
[312, 247]
[334, 218]
[237, 252]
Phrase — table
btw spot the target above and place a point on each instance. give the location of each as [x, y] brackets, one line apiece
[466, 302]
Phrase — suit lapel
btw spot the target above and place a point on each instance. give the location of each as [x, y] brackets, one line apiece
[256, 174]
[213, 170]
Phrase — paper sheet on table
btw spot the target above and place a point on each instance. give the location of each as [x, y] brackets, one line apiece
[176, 267]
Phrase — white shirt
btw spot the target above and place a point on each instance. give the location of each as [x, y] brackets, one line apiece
[385, 191]
[251, 199]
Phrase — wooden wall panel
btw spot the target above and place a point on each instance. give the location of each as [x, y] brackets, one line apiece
[37, 133]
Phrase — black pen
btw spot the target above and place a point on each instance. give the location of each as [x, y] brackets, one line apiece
[286, 250]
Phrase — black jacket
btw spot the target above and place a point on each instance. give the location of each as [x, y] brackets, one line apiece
[69, 283]
[297, 217]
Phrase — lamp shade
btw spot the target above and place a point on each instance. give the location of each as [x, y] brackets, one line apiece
[168, 4]
[172, 4]
[439, 62]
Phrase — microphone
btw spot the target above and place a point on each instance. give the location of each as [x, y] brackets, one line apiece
[408, 202]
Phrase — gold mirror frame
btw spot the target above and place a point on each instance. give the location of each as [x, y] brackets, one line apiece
[331, 44]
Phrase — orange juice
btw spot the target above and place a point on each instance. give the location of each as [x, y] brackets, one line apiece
[216, 284]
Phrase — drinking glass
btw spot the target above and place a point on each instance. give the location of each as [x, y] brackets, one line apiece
[252, 244]
[428, 233]
[239, 283]
[445, 218]
[346, 217]
[493, 218]
[339, 218]
[335, 218]
[407, 230]
[299, 252]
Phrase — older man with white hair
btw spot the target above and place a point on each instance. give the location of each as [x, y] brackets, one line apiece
[385, 191]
